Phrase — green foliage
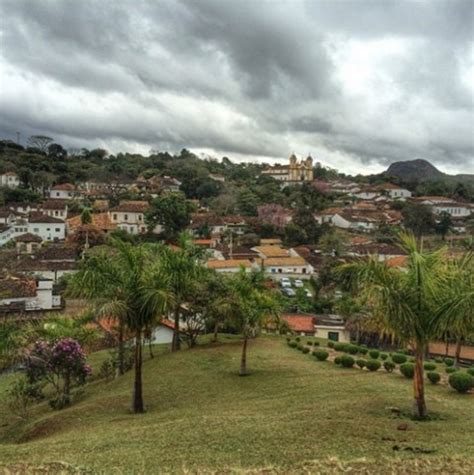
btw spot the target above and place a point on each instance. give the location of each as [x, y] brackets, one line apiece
[398, 358]
[373, 365]
[450, 370]
[21, 395]
[361, 363]
[449, 362]
[352, 349]
[316, 343]
[383, 356]
[338, 360]
[293, 344]
[347, 361]
[429, 366]
[389, 366]
[374, 354]
[408, 370]
[321, 355]
[341, 346]
[298, 339]
[330, 344]
[470, 371]
[305, 350]
[363, 350]
[434, 377]
[461, 382]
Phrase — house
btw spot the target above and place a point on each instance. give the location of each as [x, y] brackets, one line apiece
[7, 232]
[26, 294]
[47, 227]
[217, 177]
[229, 265]
[57, 208]
[7, 216]
[294, 173]
[270, 242]
[64, 191]
[395, 192]
[440, 204]
[163, 333]
[265, 252]
[365, 220]
[365, 194]
[279, 267]
[27, 243]
[130, 216]
[10, 180]
[157, 184]
[329, 327]
[101, 221]
[384, 252]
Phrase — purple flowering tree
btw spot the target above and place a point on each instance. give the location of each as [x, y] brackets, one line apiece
[61, 364]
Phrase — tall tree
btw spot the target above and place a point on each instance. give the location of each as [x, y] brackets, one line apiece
[41, 142]
[128, 284]
[405, 301]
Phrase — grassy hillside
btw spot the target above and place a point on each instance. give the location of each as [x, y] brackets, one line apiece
[291, 414]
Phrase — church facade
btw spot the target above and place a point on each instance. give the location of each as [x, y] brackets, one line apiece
[293, 173]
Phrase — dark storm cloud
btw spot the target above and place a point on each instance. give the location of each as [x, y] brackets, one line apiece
[257, 79]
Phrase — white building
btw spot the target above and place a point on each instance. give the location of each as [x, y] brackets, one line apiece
[395, 192]
[441, 204]
[10, 180]
[57, 208]
[64, 191]
[48, 228]
[130, 216]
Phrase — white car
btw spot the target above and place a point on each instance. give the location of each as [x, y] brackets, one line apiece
[299, 283]
[288, 292]
[285, 282]
[308, 293]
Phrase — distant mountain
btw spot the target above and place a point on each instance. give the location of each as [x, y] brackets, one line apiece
[422, 170]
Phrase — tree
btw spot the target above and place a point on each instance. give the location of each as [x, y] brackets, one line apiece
[405, 302]
[170, 210]
[443, 224]
[255, 303]
[57, 151]
[128, 284]
[418, 219]
[457, 301]
[41, 142]
[86, 217]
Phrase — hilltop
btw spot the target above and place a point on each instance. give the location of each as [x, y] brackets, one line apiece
[422, 170]
[291, 414]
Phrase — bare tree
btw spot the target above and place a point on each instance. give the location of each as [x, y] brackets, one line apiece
[40, 142]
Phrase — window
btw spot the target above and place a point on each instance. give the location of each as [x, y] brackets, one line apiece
[56, 213]
[140, 217]
[333, 336]
[125, 217]
[36, 230]
[58, 230]
[48, 229]
[115, 217]
[57, 193]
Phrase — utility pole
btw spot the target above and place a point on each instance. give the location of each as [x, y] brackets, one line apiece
[18, 135]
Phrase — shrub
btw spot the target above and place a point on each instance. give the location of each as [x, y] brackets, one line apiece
[352, 349]
[398, 358]
[293, 344]
[309, 342]
[450, 370]
[449, 362]
[107, 369]
[321, 355]
[288, 339]
[340, 346]
[470, 371]
[21, 395]
[383, 356]
[438, 359]
[389, 366]
[300, 347]
[330, 344]
[298, 339]
[374, 354]
[361, 363]
[315, 343]
[434, 377]
[347, 361]
[461, 382]
[305, 350]
[429, 366]
[337, 360]
[363, 350]
[408, 370]
[373, 365]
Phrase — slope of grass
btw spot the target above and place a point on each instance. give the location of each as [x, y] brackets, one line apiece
[292, 414]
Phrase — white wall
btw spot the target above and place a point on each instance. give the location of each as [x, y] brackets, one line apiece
[48, 231]
[162, 335]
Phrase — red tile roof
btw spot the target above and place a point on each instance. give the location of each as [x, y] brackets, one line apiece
[300, 323]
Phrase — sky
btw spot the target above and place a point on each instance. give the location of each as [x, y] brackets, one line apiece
[357, 84]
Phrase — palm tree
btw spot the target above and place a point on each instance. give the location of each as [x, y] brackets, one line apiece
[405, 301]
[182, 268]
[457, 301]
[254, 303]
[127, 284]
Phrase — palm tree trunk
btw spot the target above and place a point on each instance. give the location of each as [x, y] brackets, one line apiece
[243, 359]
[137, 390]
[176, 345]
[121, 351]
[150, 348]
[457, 355]
[419, 408]
[447, 348]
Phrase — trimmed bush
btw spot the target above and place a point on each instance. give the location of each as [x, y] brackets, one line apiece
[363, 350]
[429, 366]
[341, 346]
[298, 339]
[321, 355]
[389, 366]
[330, 344]
[300, 347]
[293, 344]
[449, 362]
[374, 354]
[315, 343]
[434, 377]
[352, 349]
[450, 370]
[398, 358]
[438, 359]
[361, 363]
[373, 365]
[408, 370]
[337, 360]
[461, 382]
[383, 356]
[305, 350]
[347, 361]
[470, 371]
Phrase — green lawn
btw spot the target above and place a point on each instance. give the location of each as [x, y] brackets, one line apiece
[292, 414]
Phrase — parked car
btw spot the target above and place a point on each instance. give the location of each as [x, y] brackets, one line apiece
[288, 292]
[299, 283]
[308, 293]
[285, 282]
